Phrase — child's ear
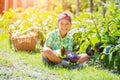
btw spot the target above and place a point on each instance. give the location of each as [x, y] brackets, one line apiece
[57, 23]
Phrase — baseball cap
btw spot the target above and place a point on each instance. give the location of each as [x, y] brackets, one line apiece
[65, 16]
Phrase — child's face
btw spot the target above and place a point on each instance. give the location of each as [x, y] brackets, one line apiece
[64, 26]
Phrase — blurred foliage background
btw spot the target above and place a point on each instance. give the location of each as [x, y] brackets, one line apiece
[93, 21]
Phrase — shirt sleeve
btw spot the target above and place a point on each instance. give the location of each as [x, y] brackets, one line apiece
[49, 39]
[70, 45]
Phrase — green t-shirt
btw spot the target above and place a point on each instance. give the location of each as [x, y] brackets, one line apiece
[55, 41]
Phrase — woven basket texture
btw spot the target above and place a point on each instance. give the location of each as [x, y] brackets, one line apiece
[25, 42]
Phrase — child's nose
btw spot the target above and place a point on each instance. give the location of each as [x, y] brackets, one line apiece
[64, 25]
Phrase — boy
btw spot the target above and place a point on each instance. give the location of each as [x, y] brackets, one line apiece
[57, 38]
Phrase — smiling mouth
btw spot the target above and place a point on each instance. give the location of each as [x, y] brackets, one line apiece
[65, 29]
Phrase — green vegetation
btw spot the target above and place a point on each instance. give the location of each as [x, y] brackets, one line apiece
[28, 65]
[89, 29]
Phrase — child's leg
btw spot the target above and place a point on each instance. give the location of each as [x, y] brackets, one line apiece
[49, 54]
[83, 58]
[47, 62]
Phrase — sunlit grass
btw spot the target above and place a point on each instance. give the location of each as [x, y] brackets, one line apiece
[28, 66]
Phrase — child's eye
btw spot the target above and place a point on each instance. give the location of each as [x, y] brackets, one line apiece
[62, 24]
[67, 24]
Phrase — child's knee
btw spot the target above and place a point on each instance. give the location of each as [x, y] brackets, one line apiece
[46, 52]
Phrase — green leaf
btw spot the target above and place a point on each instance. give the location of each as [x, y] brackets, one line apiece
[116, 33]
[95, 57]
[107, 50]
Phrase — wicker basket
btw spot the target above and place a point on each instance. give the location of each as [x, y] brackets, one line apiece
[25, 42]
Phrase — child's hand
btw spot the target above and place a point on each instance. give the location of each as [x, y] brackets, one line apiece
[59, 53]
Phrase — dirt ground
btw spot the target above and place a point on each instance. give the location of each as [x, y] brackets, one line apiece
[21, 71]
